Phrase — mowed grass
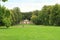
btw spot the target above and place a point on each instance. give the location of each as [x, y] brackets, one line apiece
[30, 32]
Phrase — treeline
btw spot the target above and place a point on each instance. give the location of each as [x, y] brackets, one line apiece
[9, 17]
[26, 15]
[49, 15]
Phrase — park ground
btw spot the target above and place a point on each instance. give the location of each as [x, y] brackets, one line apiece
[30, 32]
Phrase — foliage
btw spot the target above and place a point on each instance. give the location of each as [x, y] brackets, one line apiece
[26, 15]
[4, 0]
[5, 17]
[16, 16]
[49, 15]
[9, 17]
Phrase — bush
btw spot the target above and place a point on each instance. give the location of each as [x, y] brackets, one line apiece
[7, 22]
[35, 20]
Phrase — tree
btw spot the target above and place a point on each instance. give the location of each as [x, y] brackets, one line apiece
[49, 15]
[27, 15]
[55, 15]
[5, 17]
[35, 12]
[4, 0]
[16, 15]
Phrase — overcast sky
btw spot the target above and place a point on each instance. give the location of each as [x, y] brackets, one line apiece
[29, 5]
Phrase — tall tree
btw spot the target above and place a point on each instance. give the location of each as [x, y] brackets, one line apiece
[16, 16]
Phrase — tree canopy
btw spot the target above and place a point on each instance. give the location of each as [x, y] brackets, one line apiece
[48, 15]
[4, 0]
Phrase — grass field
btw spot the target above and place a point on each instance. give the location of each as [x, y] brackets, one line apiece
[30, 32]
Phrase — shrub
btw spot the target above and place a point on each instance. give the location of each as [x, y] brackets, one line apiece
[7, 22]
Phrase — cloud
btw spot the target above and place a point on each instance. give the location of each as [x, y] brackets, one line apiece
[29, 5]
[58, 1]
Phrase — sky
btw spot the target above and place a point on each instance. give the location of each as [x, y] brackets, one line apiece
[29, 5]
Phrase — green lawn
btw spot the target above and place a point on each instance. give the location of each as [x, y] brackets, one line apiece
[30, 32]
